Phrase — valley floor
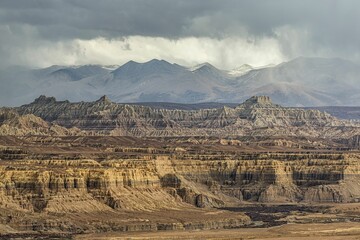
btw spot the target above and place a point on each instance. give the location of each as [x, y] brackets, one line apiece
[333, 231]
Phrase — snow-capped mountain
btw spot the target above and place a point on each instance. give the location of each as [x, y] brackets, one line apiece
[245, 68]
[300, 82]
[240, 71]
[158, 80]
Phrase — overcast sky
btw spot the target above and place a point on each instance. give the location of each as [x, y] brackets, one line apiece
[226, 33]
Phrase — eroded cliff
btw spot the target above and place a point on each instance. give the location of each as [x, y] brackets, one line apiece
[163, 182]
[64, 195]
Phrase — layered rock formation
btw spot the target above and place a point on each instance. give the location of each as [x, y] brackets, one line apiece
[257, 116]
[92, 184]
[162, 183]
[114, 195]
[280, 177]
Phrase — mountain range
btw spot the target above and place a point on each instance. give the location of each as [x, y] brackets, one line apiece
[299, 82]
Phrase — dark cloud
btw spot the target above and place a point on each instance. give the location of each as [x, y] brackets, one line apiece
[88, 19]
[331, 26]
[173, 18]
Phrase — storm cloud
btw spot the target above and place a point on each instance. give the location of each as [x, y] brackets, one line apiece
[227, 33]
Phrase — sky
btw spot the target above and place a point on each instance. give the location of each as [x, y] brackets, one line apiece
[225, 33]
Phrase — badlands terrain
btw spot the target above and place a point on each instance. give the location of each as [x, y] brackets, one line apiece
[99, 170]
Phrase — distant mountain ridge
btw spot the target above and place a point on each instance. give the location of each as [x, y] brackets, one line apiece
[341, 112]
[299, 82]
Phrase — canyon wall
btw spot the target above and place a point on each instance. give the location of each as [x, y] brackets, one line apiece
[160, 182]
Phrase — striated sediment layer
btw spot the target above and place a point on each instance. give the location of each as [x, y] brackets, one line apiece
[169, 182]
[116, 195]
[52, 187]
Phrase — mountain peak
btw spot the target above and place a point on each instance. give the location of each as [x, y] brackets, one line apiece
[245, 66]
[157, 62]
[154, 60]
[258, 101]
[133, 69]
[201, 66]
[104, 99]
[44, 99]
[242, 70]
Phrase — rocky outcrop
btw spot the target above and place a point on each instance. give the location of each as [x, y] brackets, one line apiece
[11, 123]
